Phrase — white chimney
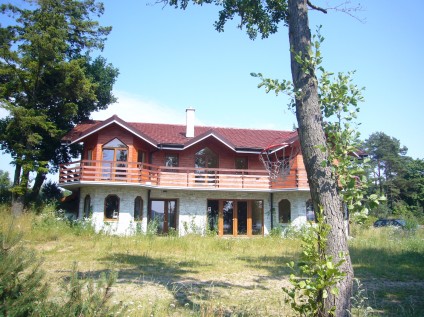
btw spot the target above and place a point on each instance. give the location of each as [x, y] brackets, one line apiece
[190, 122]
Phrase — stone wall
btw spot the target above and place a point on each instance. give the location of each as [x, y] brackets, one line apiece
[191, 207]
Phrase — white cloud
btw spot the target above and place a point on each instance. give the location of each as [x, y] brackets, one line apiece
[134, 108]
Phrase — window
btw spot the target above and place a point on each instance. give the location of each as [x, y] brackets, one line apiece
[284, 211]
[141, 156]
[112, 207]
[241, 163]
[138, 209]
[310, 215]
[87, 206]
[114, 151]
[212, 215]
[171, 160]
[206, 158]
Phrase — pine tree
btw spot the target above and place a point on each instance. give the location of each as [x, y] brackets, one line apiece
[22, 289]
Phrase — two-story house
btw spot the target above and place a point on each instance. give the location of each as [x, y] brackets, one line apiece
[185, 178]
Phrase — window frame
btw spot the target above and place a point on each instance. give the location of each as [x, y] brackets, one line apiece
[86, 207]
[118, 207]
[141, 203]
[165, 222]
[282, 211]
[309, 210]
[176, 157]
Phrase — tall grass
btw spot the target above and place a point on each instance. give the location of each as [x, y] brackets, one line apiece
[212, 276]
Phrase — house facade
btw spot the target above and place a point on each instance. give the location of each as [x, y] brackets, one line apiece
[186, 178]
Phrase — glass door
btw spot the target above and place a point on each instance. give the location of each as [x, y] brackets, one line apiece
[108, 155]
[242, 218]
[228, 216]
[114, 150]
[164, 213]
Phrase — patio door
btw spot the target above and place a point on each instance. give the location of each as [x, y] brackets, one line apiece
[241, 218]
[237, 217]
[117, 151]
[164, 213]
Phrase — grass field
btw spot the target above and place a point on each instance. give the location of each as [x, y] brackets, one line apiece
[211, 276]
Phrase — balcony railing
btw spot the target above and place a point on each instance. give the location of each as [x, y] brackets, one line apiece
[184, 177]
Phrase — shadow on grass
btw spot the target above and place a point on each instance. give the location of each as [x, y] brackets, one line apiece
[381, 263]
[176, 277]
[394, 281]
[276, 266]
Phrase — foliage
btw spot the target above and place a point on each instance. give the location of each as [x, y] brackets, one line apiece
[387, 157]
[261, 17]
[318, 273]
[48, 81]
[152, 228]
[21, 279]
[23, 291]
[5, 186]
[410, 181]
[276, 232]
[339, 102]
[85, 297]
[360, 306]
[396, 175]
[51, 192]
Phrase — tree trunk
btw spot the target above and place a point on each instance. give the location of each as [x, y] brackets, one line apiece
[17, 198]
[323, 186]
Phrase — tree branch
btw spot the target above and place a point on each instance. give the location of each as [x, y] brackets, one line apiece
[316, 7]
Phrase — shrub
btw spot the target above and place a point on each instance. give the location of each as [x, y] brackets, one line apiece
[318, 272]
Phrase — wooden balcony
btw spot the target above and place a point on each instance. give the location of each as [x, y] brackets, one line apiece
[87, 171]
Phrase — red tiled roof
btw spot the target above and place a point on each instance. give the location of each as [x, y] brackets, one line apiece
[173, 134]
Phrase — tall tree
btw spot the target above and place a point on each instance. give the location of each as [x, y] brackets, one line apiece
[49, 82]
[412, 185]
[388, 158]
[263, 17]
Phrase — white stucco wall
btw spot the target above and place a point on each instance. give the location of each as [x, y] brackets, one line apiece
[191, 207]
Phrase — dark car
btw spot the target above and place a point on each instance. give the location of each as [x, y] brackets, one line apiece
[390, 222]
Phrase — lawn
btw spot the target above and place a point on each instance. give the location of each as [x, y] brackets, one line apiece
[211, 276]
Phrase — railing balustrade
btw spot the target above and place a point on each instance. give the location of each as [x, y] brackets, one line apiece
[148, 174]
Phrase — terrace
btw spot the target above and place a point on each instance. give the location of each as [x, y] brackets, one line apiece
[86, 171]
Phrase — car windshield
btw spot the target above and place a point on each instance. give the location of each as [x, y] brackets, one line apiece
[401, 222]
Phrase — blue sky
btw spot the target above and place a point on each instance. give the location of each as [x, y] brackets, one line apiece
[171, 59]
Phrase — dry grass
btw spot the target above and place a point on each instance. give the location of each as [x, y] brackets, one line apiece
[210, 276]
